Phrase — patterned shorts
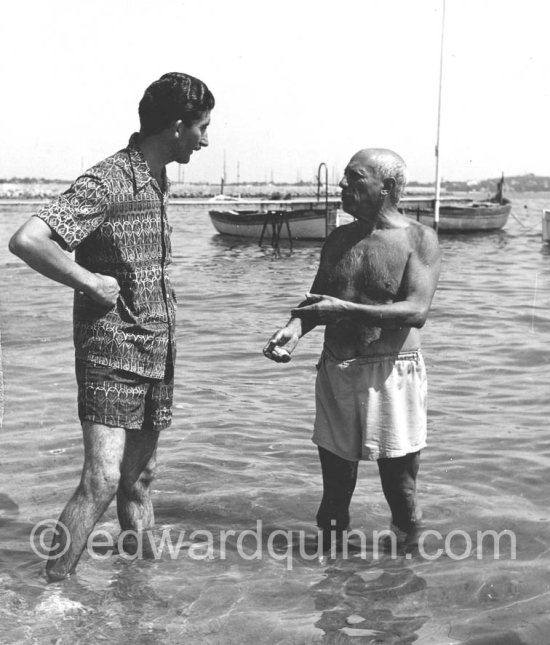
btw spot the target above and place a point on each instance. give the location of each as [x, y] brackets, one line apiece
[120, 399]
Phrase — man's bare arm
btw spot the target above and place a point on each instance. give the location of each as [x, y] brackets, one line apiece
[409, 310]
[34, 244]
[287, 338]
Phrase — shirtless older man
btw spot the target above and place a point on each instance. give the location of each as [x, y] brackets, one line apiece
[373, 290]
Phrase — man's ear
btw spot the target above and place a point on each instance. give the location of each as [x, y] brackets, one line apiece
[389, 185]
[175, 128]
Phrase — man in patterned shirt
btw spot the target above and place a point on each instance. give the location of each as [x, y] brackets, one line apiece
[114, 218]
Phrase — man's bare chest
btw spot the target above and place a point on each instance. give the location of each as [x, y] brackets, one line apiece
[371, 269]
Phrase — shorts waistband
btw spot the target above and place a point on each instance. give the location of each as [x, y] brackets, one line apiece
[411, 355]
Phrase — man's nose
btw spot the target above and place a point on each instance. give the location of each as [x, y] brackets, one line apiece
[204, 140]
[343, 183]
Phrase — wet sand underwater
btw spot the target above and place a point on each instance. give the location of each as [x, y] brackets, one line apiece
[239, 453]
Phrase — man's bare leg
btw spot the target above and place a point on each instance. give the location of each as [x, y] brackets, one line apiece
[339, 479]
[103, 450]
[134, 505]
[398, 477]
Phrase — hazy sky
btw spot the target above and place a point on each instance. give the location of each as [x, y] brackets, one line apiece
[296, 82]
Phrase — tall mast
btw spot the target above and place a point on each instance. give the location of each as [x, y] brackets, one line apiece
[437, 170]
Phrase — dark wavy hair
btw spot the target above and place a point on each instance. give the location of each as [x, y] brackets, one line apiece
[174, 96]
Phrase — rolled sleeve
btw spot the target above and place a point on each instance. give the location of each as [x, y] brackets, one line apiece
[77, 212]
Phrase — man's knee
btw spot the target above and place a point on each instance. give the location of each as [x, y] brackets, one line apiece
[100, 482]
[399, 471]
[103, 447]
[132, 480]
[146, 476]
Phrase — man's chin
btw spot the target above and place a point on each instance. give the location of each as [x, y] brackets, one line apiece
[348, 208]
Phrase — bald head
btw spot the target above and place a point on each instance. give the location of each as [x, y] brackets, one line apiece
[387, 165]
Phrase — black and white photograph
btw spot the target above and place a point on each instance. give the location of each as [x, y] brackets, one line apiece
[274, 322]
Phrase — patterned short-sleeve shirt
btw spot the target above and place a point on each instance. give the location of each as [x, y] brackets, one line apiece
[114, 218]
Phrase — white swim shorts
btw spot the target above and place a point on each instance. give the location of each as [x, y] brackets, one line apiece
[371, 407]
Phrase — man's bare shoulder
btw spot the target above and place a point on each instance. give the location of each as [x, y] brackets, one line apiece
[343, 231]
[423, 239]
[340, 235]
[420, 231]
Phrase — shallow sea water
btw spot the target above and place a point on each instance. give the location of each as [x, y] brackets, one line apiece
[239, 457]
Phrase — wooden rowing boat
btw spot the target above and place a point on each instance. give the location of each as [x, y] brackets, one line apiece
[283, 219]
[299, 220]
[466, 217]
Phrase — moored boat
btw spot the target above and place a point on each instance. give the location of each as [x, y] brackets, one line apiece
[300, 220]
[280, 219]
[464, 217]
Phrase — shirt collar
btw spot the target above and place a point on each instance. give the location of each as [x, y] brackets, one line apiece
[139, 166]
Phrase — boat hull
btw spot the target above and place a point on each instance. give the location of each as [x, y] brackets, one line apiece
[303, 224]
[480, 216]
[314, 222]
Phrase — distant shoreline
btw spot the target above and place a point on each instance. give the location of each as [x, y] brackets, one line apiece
[40, 187]
[8, 200]
[44, 190]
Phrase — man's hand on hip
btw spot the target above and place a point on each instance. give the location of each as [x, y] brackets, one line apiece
[105, 290]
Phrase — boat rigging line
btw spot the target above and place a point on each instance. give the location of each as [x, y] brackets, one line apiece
[437, 170]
